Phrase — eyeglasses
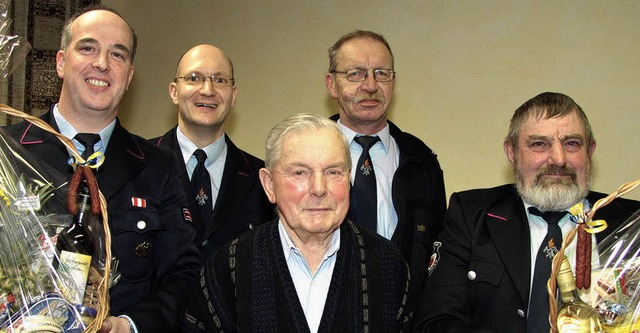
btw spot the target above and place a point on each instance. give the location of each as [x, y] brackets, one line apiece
[197, 80]
[361, 74]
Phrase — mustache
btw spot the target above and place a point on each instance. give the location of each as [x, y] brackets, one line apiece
[375, 96]
[556, 170]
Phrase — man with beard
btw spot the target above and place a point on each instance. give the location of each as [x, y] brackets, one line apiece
[397, 183]
[482, 273]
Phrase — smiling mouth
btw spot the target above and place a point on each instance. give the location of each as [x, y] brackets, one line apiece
[213, 106]
[97, 83]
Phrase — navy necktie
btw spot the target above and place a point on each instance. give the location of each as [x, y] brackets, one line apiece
[538, 317]
[88, 140]
[201, 183]
[364, 202]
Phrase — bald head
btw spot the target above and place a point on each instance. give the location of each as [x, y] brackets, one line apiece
[204, 91]
[197, 56]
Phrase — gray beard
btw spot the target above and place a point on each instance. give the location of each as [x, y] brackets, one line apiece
[552, 196]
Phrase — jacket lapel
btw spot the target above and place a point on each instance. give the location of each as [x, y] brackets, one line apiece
[33, 139]
[123, 160]
[509, 230]
[170, 141]
[236, 182]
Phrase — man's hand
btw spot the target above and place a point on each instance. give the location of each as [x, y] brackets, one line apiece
[114, 325]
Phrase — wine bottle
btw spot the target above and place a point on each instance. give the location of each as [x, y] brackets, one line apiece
[575, 316]
[76, 248]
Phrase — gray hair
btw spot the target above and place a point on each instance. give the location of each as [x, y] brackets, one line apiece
[335, 48]
[298, 124]
[547, 105]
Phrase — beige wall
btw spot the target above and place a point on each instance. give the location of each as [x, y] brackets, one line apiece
[463, 67]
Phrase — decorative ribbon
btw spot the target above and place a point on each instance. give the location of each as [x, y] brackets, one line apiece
[578, 215]
[94, 161]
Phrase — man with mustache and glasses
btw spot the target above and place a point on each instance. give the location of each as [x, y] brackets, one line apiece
[397, 183]
[496, 245]
[229, 200]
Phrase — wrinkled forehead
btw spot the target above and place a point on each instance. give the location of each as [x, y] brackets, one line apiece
[539, 124]
[364, 50]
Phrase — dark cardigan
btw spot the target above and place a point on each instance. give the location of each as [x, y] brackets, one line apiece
[247, 287]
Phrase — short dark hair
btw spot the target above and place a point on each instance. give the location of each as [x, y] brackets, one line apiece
[66, 29]
[335, 48]
[547, 105]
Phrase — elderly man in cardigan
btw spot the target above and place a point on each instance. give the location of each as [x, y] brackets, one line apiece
[310, 269]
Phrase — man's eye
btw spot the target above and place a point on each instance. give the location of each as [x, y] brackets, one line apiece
[538, 145]
[221, 80]
[195, 78]
[382, 74]
[355, 74]
[573, 146]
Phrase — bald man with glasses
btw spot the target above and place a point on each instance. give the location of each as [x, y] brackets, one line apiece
[221, 181]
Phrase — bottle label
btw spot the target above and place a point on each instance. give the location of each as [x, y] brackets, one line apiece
[77, 267]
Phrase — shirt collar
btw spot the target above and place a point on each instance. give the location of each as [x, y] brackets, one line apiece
[384, 135]
[539, 221]
[213, 150]
[69, 131]
[288, 246]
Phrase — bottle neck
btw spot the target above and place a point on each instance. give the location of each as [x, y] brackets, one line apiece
[84, 203]
[570, 296]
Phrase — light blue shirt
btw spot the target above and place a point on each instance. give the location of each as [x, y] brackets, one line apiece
[69, 131]
[216, 158]
[385, 156]
[312, 289]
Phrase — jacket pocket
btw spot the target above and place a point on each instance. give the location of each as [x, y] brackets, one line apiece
[484, 279]
[134, 235]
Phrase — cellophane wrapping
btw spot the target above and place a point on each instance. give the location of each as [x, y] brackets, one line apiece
[34, 292]
[35, 289]
[615, 279]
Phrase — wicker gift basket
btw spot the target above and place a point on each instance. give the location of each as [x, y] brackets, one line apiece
[96, 296]
[619, 258]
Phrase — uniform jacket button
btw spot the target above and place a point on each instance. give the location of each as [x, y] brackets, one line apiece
[521, 313]
[141, 225]
[471, 275]
[205, 243]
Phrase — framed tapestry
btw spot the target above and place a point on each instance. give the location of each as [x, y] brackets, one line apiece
[34, 85]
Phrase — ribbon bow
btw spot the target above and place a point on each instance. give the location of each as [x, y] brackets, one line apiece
[94, 161]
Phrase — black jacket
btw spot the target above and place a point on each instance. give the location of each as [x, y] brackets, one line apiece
[487, 231]
[419, 200]
[241, 203]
